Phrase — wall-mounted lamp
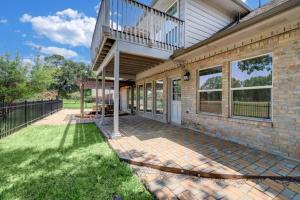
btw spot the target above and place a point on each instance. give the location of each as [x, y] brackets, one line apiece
[186, 76]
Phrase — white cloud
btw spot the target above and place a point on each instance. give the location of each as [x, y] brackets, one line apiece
[3, 21]
[65, 27]
[27, 61]
[53, 50]
[244, 1]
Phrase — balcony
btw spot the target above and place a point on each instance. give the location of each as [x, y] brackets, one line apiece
[141, 31]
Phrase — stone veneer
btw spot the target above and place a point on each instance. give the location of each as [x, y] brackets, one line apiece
[282, 135]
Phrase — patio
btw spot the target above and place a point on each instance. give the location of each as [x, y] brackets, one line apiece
[152, 142]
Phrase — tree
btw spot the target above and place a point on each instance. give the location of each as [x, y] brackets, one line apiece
[42, 76]
[13, 79]
[212, 83]
[256, 64]
[66, 75]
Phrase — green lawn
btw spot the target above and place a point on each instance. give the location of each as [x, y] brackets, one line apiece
[64, 162]
[71, 104]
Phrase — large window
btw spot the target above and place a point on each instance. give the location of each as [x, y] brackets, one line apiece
[129, 102]
[210, 90]
[159, 103]
[134, 98]
[141, 98]
[149, 97]
[251, 87]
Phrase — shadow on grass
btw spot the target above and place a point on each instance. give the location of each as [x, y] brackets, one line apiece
[74, 163]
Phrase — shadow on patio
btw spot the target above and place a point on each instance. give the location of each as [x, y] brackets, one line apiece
[152, 142]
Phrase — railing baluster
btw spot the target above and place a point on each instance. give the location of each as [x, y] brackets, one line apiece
[134, 21]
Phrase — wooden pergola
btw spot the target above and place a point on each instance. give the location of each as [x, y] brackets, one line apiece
[93, 83]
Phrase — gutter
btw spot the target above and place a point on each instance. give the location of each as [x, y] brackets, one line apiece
[259, 18]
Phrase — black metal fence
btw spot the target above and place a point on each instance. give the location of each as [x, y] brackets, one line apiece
[252, 109]
[17, 115]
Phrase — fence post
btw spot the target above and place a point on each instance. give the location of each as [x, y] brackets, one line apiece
[25, 106]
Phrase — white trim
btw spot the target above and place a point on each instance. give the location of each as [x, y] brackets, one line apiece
[248, 88]
[213, 90]
[198, 111]
[155, 103]
[145, 97]
[139, 99]
[171, 79]
[251, 57]
[253, 88]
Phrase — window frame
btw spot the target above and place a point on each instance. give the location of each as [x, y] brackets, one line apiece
[212, 90]
[139, 99]
[155, 97]
[135, 98]
[177, 8]
[129, 99]
[146, 97]
[250, 88]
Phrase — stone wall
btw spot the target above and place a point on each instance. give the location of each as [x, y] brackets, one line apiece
[282, 135]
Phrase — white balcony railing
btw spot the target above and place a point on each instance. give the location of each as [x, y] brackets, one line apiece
[135, 22]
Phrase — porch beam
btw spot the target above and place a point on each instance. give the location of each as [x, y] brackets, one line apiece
[82, 98]
[116, 131]
[107, 59]
[140, 50]
[97, 96]
[103, 97]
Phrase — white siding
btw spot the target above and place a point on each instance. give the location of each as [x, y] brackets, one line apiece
[201, 21]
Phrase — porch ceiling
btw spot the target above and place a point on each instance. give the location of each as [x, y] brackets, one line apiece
[133, 64]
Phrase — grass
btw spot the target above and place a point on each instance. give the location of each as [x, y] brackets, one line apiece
[71, 104]
[64, 162]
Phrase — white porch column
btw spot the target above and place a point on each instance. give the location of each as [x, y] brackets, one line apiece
[97, 96]
[116, 131]
[103, 96]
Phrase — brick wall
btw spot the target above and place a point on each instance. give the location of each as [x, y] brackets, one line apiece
[282, 135]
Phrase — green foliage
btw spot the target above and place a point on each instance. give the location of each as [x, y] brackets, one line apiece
[69, 71]
[75, 96]
[258, 81]
[212, 83]
[54, 73]
[256, 64]
[64, 162]
[13, 79]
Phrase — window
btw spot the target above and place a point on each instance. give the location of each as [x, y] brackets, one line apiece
[134, 98]
[210, 90]
[251, 87]
[172, 31]
[141, 98]
[176, 87]
[129, 97]
[172, 10]
[149, 97]
[159, 103]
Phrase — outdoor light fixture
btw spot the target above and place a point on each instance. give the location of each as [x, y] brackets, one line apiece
[186, 76]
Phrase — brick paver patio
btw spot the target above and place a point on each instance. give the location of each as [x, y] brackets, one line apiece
[149, 141]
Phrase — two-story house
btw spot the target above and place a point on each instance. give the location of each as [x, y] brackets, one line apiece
[215, 66]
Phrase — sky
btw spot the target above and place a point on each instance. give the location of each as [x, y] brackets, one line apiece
[62, 27]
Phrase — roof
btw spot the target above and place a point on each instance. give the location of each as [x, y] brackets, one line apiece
[268, 10]
[265, 8]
